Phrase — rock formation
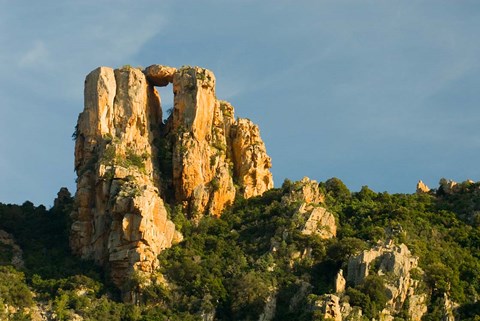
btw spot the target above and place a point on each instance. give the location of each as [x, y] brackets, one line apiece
[397, 261]
[201, 169]
[130, 164]
[340, 282]
[318, 220]
[422, 187]
[394, 263]
[330, 304]
[250, 159]
[304, 191]
[120, 220]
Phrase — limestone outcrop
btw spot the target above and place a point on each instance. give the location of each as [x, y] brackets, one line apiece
[340, 282]
[130, 163]
[330, 306]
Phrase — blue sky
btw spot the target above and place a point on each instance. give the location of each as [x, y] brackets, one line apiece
[377, 93]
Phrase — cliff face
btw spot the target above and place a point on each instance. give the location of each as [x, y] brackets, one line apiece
[119, 219]
[129, 163]
[212, 150]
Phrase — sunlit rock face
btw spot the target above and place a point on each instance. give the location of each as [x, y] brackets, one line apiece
[130, 163]
[120, 220]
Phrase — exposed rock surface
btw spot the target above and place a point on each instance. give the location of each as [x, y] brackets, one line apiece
[422, 188]
[129, 163]
[320, 222]
[448, 307]
[63, 197]
[340, 282]
[211, 150]
[397, 261]
[201, 169]
[250, 159]
[270, 305]
[304, 191]
[394, 264]
[330, 306]
[159, 75]
[120, 220]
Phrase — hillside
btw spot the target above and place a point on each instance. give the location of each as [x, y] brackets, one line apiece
[177, 219]
[233, 266]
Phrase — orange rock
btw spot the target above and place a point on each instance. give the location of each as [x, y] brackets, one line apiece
[119, 217]
[159, 75]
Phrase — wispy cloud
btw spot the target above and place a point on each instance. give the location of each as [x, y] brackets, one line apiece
[35, 56]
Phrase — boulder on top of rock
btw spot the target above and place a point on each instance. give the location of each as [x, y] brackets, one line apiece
[159, 75]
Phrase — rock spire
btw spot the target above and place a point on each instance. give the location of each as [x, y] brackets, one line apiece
[132, 166]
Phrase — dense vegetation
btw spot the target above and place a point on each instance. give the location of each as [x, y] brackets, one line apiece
[232, 266]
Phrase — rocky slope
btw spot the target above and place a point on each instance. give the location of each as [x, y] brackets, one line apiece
[130, 164]
[394, 263]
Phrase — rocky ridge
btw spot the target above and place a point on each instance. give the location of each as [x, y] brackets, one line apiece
[132, 166]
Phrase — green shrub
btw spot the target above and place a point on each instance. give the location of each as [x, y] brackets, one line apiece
[13, 288]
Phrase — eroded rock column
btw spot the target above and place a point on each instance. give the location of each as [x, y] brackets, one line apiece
[120, 221]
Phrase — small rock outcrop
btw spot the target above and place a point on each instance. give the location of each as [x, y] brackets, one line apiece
[130, 163]
[270, 306]
[448, 307]
[340, 282]
[394, 264]
[63, 198]
[396, 261]
[330, 307]
[305, 191]
[422, 188]
[318, 220]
